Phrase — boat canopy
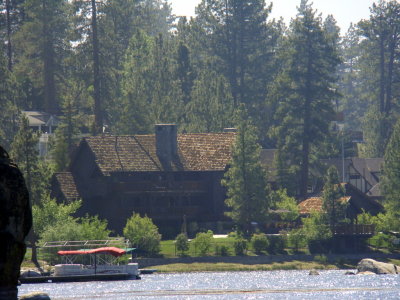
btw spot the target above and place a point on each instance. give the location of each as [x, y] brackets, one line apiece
[103, 250]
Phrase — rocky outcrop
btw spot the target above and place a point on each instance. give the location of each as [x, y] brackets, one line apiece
[35, 296]
[376, 267]
[313, 272]
[15, 223]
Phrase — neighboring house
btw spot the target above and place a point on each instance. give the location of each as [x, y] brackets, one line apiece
[362, 173]
[44, 123]
[357, 203]
[167, 176]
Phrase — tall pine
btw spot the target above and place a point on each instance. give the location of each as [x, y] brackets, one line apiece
[248, 198]
[304, 92]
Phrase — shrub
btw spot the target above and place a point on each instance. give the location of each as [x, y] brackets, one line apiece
[259, 242]
[182, 243]
[276, 244]
[143, 234]
[221, 250]
[322, 259]
[296, 239]
[203, 241]
[380, 240]
[240, 246]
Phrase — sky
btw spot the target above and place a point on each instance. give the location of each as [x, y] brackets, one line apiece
[344, 11]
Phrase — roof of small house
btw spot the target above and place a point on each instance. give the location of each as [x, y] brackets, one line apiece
[66, 184]
[39, 118]
[137, 153]
[315, 204]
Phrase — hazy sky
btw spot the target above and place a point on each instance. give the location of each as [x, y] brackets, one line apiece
[344, 11]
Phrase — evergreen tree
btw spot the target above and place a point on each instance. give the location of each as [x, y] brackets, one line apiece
[247, 192]
[24, 151]
[331, 197]
[8, 100]
[240, 37]
[304, 92]
[42, 45]
[381, 40]
[391, 172]
[211, 108]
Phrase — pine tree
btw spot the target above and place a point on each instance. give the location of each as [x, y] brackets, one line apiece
[304, 91]
[42, 45]
[24, 151]
[331, 196]
[242, 41]
[391, 172]
[245, 180]
[211, 108]
[381, 41]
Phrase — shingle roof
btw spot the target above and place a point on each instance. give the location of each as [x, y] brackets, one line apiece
[315, 204]
[196, 152]
[67, 185]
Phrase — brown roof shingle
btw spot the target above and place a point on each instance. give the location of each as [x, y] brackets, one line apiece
[137, 153]
[67, 185]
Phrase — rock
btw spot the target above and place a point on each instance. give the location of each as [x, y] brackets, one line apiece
[349, 273]
[30, 273]
[15, 223]
[366, 273]
[35, 296]
[376, 267]
[313, 272]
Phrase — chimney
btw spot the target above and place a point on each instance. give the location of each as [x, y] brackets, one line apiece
[166, 142]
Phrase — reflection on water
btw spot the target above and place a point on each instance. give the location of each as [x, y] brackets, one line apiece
[230, 285]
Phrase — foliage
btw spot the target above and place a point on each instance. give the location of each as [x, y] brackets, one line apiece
[221, 250]
[296, 239]
[288, 204]
[202, 242]
[182, 243]
[391, 172]
[384, 222]
[259, 242]
[316, 233]
[143, 234]
[48, 213]
[247, 192]
[25, 153]
[240, 245]
[332, 193]
[276, 244]
[303, 93]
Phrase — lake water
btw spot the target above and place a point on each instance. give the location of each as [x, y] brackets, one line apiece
[230, 285]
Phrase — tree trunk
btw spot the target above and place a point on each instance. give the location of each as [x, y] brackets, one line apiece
[9, 46]
[382, 74]
[392, 50]
[48, 65]
[96, 73]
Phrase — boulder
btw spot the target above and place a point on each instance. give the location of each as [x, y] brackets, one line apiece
[366, 273]
[29, 273]
[349, 273]
[35, 296]
[313, 272]
[376, 267]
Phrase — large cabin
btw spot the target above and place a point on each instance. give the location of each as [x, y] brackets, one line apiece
[167, 176]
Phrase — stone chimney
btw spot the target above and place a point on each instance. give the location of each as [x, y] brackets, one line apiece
[166, 142]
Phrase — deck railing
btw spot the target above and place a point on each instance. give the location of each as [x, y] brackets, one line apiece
[354, 229]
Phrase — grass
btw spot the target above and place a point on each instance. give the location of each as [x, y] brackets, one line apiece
[221, 267]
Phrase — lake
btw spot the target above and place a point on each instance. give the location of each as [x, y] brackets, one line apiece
[230, 285]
